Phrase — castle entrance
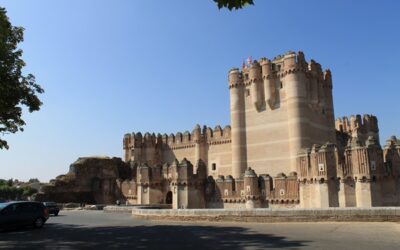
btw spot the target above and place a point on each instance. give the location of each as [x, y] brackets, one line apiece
[168, 199]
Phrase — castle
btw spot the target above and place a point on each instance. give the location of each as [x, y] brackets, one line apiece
[282, 149]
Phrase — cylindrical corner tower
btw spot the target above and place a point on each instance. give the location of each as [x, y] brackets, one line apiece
[238, 134]
[256, 85]
[269, 84]
[295, 83]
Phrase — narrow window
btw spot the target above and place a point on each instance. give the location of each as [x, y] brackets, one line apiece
[214, 167]
[281, 85]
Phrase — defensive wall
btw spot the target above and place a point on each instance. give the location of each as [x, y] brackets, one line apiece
[213, 146]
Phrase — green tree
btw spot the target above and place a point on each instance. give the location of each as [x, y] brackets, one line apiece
[28, 191]
[233, 4]
[16, 89]
[32, 180]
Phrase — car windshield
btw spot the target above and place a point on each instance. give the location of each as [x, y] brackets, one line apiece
[2, 205]
[49, 203]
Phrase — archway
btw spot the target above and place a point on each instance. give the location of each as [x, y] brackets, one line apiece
[168, 198]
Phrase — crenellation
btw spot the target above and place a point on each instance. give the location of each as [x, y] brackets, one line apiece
[217, 133]
[358, 128]
[164, 139]
[186, 137]
[178, 138]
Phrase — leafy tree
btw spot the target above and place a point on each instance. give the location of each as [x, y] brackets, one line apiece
[28, 191]
[16, 89]
[13, 193]
[33, 180]
[233, 4]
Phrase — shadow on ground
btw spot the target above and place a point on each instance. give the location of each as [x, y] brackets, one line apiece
[62, 236]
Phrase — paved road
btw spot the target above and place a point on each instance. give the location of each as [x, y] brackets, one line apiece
[95, 229]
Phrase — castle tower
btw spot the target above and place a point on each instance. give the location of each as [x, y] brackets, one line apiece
[281, 106]
[239, 162]
[269, 83]
[256, 91]
[200, 144]
[251, 189]
[294, 80]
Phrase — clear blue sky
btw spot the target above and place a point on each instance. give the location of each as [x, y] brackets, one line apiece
[112, 67]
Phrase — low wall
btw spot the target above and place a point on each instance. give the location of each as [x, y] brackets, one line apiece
[272, 215]
[129, 208]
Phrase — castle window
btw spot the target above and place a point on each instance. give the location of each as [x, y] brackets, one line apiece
[323, 111]
[281, 85]
[373, 165]
[247, 92]
[214, 167]
[321, 167]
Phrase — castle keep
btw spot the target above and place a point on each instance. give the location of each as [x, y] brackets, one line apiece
[283, 149]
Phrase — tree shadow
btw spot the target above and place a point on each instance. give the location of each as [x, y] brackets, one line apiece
[62, 236]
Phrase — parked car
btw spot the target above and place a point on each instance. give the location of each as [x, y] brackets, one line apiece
[22, 213]
[52, 206]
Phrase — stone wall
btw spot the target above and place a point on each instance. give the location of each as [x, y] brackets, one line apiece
[93, 180]
[272, 215]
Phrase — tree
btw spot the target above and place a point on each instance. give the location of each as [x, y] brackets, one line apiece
[16, 89]
[32, 180]
[233, 4]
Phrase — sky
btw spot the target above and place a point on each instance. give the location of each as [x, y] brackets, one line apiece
[114, 67]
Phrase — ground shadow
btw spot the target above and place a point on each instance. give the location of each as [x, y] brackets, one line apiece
[62, 236]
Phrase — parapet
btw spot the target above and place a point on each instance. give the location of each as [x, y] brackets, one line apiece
[178, 140]
[365, 123]
[281, 189]
[279, 66]
[318, 162]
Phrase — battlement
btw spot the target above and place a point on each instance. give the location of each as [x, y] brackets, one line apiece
[278, 190]
[277, 67]
[392, 142]
[363, 123]
[207, 134]
[359, 130]
[317, 163]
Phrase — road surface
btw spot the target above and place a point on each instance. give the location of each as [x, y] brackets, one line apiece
[95, 229]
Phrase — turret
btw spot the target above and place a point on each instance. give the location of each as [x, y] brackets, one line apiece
[251, 188]
[150, 148]
[269, 82]
[127, 146]
[296, 105]
[137, 151]
[256, 85]
[329, 110]
[237, 106]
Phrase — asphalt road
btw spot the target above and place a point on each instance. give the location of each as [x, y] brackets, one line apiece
[95, 229]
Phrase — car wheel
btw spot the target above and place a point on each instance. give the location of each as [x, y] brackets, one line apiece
[39, 222]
